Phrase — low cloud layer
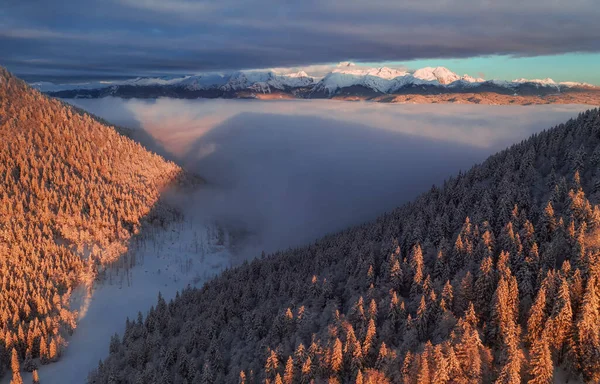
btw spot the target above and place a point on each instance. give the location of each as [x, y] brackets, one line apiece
[111, 38]
[292, 171]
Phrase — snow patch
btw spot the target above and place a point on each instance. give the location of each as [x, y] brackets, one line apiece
[440, 74]
[186, 253]
[546, 81]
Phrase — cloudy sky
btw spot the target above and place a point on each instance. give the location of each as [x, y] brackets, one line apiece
[101, 39]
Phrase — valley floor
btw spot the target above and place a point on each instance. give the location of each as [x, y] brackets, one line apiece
[591, 97]
[185, 253]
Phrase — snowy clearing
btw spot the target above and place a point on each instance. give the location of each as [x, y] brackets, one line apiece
[167, 260]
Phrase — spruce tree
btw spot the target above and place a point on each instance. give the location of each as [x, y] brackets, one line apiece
[16, 368]
[288, 376]
[537, 316]
[337, 357]
[541, 368]
[561, 319]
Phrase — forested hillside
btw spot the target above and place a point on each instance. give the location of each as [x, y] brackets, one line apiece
[492, 277]
[72, 193]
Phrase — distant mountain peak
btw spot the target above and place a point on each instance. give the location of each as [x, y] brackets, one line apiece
[346, 78]
[546, 81]
[440, 74]
[472, 79]
[298, 74]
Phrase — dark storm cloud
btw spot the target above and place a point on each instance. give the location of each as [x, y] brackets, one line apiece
[121, 37]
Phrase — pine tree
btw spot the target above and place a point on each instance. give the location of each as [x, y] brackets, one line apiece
[510, 372]
[441, 373]
[16, 368]
[454, 368]
[359, 378]
[416, 283]
[406, 371]
[288, 375]
[541, 368]
[43, 351]
[423, 375]
[417, 265]
[484, 287]
[369, 341]
[588, 332]
[396, 275]
[382, 356]
[300, 354]
[272, 363]
[448, 294]
[53, 350]
[207, 374]
[337, 357]
[467, 347]
[441, 269]
[357, 356]
[422, 319]
[278, 379]
[372, 309]
[537, 316]
[470, 316]
[561, 320]
[115, 342]
[548, 222]
[358, 314]
[397, 312]
[505, 330]
[307, 370]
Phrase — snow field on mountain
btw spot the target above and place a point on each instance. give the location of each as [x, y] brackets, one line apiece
[380, 79]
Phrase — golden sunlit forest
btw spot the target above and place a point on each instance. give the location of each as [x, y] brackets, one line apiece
[72, 193]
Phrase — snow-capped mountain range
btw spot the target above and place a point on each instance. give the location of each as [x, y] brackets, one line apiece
[387, 80]
[346, 79]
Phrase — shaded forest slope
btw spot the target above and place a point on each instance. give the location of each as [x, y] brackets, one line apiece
[72, 193]
[492, 277]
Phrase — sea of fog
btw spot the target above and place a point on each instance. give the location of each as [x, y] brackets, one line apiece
[289, 172]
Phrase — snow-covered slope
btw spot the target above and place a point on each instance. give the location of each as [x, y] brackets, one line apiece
[574, 84]
[387, 80]
[263, 81]
[183, 254]
[345, 77]
[153, 81]
[546, 81]
[440, 74]
[46, 86]
[206, 81]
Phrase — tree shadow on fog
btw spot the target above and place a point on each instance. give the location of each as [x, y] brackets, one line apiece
[125, 121]
[290, 179]
[295, 178]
